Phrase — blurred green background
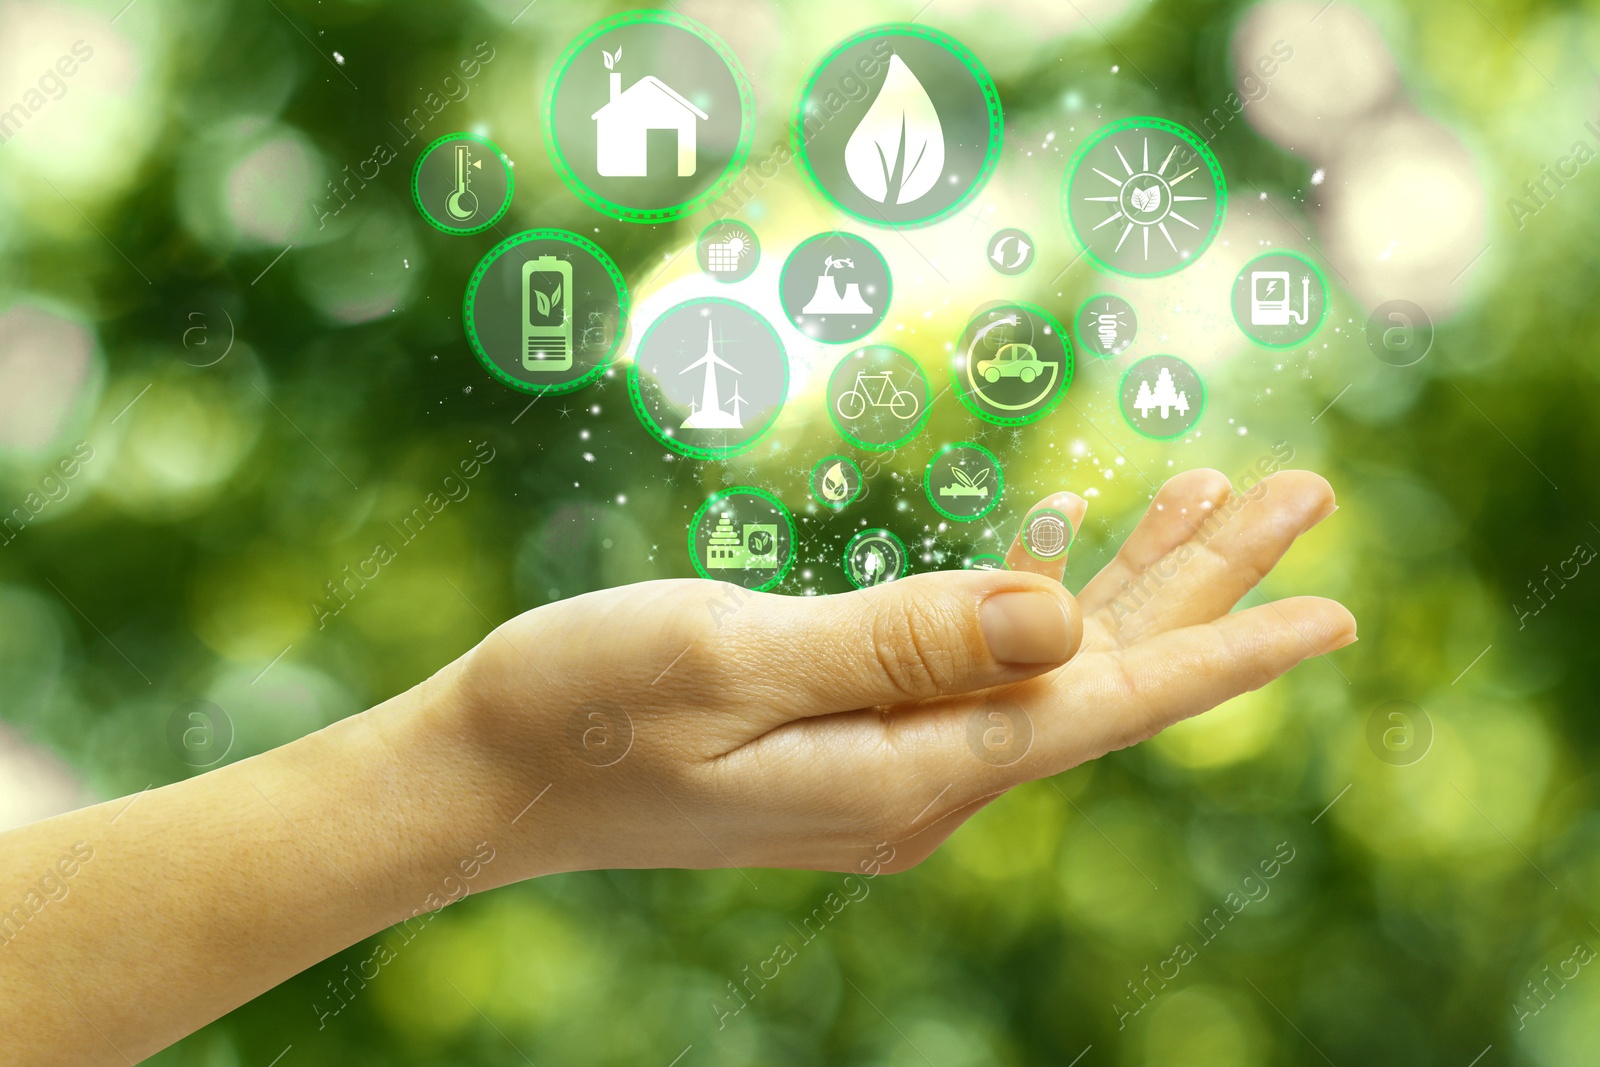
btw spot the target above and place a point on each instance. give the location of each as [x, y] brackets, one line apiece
[258, 398]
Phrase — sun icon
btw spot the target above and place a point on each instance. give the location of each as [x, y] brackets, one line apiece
[1147, 175]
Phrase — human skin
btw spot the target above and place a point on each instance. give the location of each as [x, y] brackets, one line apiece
[804, 732]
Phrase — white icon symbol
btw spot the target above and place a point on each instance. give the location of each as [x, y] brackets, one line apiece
[1166, 396]
[722, 257]
[622, 127]
[1047, 536]
[879, 391]
[827, 301]
[835, 486]
[462, 203]
[999, 254]
[1146, 193]
[1270, 298]
[896, 154]
[966, 484]
[709, 414]
[1107, 329]
[751, 546]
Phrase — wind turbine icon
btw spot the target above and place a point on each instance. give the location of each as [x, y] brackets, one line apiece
[708, 413]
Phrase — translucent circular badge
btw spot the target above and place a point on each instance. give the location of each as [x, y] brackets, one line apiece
[963, 481]
[836, 481]
[462, 183]
[1162, 397]
[873, 557]
[1144, 197]
[1010, 252]
[709, 377]
[899, 125]
[835, 288]
[1012, 364]
[743, 535]
[1107, 325]
[728, 250]
[1280, 299]
[878, 397]
[1047, 535]
[545, 310]
[647, 115]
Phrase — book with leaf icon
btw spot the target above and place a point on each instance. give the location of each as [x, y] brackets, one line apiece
[966, 484]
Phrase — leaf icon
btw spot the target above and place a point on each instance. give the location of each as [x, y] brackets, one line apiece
[555, 297]
[544, 302]
[1145, 199]
[611, 60]
[834, 486]
[896, 153]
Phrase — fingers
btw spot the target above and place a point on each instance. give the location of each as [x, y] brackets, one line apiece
[1040, 561]
[920, 637]
[1167, 578]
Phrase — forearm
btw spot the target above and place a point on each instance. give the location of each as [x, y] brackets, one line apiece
[183, 902]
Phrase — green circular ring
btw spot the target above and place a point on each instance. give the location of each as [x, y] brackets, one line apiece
[1204, 395]
[718, 222]
[636, 392]
[741, 150]
[859, 534]
[887, 274]
[927, 408]
[1184, 134]
[999, 482]
[1072, 534]
[861, 483]
[995, 556]
[966, 58]
[1321, 278]
[1077, 324]
[1068, 366]
[416, 173]
[469, 320]
[748, 490]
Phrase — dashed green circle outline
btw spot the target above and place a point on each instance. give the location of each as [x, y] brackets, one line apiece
[1321, 278]
[1183, 133]
[963, 55]
[856, 537]
[636, 392]
[1068, 369]
[1205, 395]
[927, 406]
[999, 477]
[469, 319]
[747, 490]
[505, 164]
[888, 277]
[610, 208]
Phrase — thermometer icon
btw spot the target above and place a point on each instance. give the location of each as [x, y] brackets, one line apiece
[462, 204]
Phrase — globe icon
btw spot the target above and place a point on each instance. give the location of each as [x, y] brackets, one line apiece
[1047, 536]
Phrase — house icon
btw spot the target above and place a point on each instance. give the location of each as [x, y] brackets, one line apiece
[621, 127]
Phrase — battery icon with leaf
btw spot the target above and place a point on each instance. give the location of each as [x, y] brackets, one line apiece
[547, 314]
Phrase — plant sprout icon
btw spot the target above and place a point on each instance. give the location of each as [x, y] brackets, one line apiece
[966, 484]
[1146, 199]
[832, 262]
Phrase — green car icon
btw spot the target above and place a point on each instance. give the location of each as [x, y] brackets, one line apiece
[1015, 360]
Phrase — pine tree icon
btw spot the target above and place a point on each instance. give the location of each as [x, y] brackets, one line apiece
[1166, 396]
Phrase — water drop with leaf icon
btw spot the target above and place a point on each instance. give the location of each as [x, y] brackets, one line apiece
[835, 487]
[896, 153]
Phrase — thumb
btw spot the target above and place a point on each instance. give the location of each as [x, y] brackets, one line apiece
[920, 637]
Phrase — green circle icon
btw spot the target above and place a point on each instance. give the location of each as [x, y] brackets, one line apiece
[1012, 364]
[963, 481]
[743, 535]
[875, 556]
[837, 481]
[1280, 299]
[899, 125]
[878, 398]
[1047, 535]
[545, 311]
[648, 115]
[1162, 397]
[462, 184]
[1144, 197]
[985, 561]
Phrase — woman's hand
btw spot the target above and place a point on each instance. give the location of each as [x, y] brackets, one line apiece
[694, 724]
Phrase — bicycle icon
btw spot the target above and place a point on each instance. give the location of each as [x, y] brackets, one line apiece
[902, 403]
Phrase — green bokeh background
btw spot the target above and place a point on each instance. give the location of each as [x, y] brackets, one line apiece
[187, 553]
